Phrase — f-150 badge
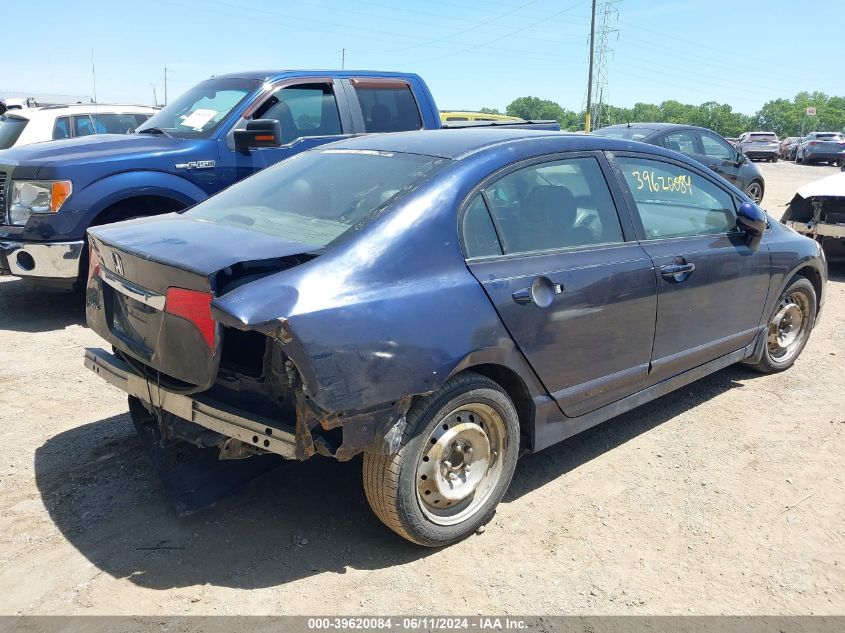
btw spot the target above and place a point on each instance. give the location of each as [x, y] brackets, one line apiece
[197, 164]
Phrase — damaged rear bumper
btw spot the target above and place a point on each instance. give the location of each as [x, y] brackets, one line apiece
[377, 430]
[253, 430]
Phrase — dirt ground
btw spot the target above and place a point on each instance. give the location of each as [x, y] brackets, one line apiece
[724, 497]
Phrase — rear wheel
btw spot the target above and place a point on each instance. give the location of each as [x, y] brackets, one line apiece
[789, 327]
[798, 159]
[754, 190]
[774, 159]
[458, 456]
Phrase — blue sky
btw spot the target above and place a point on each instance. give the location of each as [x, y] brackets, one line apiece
[471, 53]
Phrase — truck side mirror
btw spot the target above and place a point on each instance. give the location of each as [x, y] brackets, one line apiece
[259, 133]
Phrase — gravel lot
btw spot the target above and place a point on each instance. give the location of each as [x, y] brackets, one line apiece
[724, 497]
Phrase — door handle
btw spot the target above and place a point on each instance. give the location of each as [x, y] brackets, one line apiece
[541, 292]
[677, 271]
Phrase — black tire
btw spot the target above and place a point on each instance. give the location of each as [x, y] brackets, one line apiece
[774, 159]
[799, 292]
[798, 159]
[394, 486]
[754, 190]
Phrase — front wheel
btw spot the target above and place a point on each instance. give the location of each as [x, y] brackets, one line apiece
[789, 327]
[755, 191]
[458, 456]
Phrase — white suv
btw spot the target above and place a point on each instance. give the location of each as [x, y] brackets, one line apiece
[48, 123]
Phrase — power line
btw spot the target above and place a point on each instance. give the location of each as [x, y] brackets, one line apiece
[501, 37]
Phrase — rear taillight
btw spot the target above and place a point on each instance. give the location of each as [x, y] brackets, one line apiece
[194, 306]
[93, 263]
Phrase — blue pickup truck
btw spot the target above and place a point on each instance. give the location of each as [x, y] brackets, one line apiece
[217, 133]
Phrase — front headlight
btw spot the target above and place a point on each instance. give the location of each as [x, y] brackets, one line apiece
[37, 196]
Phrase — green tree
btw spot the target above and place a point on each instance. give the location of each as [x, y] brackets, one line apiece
[490, 110]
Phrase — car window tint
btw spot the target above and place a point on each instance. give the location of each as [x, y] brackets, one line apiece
[114, 123]
[715, 147]
[61, 129]
[82, 126]
[673, 201]
[682, 141]
[478, 232]
[388, 108]
[303, 110]
[554, 205]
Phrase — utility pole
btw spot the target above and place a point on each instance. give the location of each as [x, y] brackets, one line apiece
[590, 77]
[603, 53]
[94, 75]
[155, 97]
[165, 85]
[342, 58]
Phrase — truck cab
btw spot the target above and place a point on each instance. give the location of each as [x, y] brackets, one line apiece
[220, 131]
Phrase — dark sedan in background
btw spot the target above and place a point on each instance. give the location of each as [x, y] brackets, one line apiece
[821, 147]
[440, 302]
[704, 145]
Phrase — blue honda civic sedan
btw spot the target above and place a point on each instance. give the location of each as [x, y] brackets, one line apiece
[441, 302]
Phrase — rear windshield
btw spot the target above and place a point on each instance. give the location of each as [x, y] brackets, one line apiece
[832, 136]
[629, 133]
[762, 137]
[10, 130]
[316, 196]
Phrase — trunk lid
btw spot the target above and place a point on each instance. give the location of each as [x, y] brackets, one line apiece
[157, 277]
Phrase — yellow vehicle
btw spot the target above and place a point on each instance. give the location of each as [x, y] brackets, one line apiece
[447, 116]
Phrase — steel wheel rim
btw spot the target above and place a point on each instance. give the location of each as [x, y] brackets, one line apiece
[461, 463]
[753, 192]
[788, 327]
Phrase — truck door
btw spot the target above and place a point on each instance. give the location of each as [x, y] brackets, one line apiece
[310, 111]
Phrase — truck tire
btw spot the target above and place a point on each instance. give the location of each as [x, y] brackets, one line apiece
[456, 461]
[789, 327]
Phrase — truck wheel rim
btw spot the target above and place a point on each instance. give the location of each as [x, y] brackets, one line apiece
[461, 463]
[753, 192]
[788, 327]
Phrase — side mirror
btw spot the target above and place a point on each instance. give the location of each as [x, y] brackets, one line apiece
[752, 220]
[259, 133]
[741, 158]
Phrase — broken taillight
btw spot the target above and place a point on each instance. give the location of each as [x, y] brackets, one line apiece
[195, 306]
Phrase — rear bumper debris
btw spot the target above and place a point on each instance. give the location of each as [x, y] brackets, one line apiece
[251, 429]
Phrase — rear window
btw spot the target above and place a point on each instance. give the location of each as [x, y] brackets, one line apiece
[833, 136]
[763, 137]
[316, 196]
[387, 108]
[629, 133]
[10, 130]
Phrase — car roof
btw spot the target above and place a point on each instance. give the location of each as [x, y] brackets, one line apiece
[275, 75]
[457, 144]
[88, 108]
[652, 126]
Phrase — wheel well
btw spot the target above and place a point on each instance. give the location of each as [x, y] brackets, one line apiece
[815, 278]
[135, 207]
[513, 385]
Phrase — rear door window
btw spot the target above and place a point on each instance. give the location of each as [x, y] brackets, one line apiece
[675, 202]
[61, 129]
[554, 205]
[387, 105]
[303, 110]
[82, 126]
[682, 141]
[478, 232]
